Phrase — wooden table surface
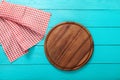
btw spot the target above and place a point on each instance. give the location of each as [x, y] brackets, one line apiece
[101, 18]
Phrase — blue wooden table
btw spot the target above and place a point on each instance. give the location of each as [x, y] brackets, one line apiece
[101, 18]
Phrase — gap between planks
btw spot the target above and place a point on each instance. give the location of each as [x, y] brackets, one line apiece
[51, 64]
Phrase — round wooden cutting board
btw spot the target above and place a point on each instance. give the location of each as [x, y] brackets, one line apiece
[68, 46]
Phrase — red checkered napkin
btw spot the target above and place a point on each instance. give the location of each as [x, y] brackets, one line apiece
[21, 27]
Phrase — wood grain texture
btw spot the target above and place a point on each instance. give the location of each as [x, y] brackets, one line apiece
[68, 46]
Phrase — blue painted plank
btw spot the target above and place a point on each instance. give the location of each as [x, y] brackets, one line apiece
[101, 36]
[71, 4]
[48, 72]
[91, 13]
[36, 55]
[89, 18]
